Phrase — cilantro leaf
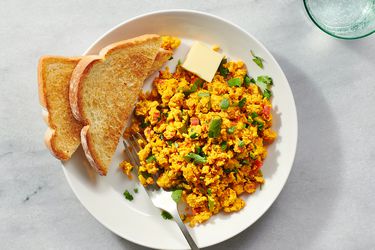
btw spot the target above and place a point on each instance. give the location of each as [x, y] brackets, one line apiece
[166, 215]
[151, 159]
[193, 135]
[234, 82]
[209, 192]
[231, 130]
[203, 94]
[267, 94]
[223, 145]
[197, 83]
[128, 196]
[197, 158]
[247, 80]
[224, 104]
[223, 70]
[264, 83]
[199, 150]
[242, 102]
[258, 60]
[144, 124]
[215, 127]
[265, 79]
[211, 203]
[176, 195]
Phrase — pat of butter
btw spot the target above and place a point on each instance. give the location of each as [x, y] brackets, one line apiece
[202, 61]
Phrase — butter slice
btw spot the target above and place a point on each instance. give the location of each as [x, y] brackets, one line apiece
[202, 61]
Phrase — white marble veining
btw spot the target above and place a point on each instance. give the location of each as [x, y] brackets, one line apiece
[328, 201]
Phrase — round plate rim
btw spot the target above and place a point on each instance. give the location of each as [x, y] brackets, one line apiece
[294, 111]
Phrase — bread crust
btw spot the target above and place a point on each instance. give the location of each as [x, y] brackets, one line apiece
[75, 89]
[76, 95]
[50, 135]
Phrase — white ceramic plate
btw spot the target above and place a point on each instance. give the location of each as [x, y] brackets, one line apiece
[138, 221]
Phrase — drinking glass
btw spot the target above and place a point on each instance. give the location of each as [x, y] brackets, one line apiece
[346, 19]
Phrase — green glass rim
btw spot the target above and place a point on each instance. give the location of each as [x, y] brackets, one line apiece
[326, 31]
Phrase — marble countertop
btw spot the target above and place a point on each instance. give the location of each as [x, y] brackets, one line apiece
[328, 201]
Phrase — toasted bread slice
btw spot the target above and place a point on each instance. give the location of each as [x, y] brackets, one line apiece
[103, 92]
[63, 135]
[162, 56]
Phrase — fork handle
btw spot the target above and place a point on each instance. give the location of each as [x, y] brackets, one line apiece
[184, 230]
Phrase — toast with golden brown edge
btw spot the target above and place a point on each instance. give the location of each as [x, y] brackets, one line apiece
[103, 92]
[63, 134]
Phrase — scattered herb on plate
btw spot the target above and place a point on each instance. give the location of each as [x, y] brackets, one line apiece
[166, 215]
[128, 195]
[258, 60]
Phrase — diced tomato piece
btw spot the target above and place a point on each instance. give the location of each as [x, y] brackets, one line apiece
[156, 115]
[266, 111]
[258, 164]
[197, 210]
[194, 121]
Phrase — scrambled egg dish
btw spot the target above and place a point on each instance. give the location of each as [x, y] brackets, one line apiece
[206, 139]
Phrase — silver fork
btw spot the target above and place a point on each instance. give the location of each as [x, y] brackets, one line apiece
[160, 198]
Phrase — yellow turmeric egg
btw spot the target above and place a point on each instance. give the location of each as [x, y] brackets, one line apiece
[207, 139]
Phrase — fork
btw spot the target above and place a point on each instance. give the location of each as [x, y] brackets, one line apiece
[160, 198]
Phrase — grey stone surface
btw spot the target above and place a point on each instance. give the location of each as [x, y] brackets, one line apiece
[328, 201]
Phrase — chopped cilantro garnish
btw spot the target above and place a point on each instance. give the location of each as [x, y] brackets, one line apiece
[197, 158]
[198, 150]
[253, 115]
[145, 174]
[179, 62]
[197, 83]
[247, 80]
[176, 195]
[242, 102]
[264, 83]
[170, 143]
[231, 130]
[144, 124]
[193, 135]
[241, 143]
[252, 156]
[223, 145]
[211, 203]
[209, 192]
[151, 159]
[267, 94]
[260, 126]
[258, 60]
[215, 127]
[128, 196]
[223, 70]
[245, 162]
[203, 94]
[265, 79]
[135, 190]
[234, 82]
[166, 215]
[170, 58]
[224, 104]
[228, 170]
